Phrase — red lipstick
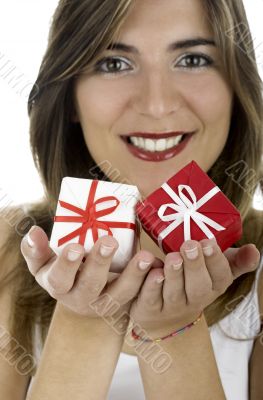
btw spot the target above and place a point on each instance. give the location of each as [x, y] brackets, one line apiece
[157, 156]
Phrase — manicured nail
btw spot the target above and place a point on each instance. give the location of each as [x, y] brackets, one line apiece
[106, 251]
[73, 255]
[208, 250]
[30, 242]
[176, 267]
[192, 254]
[144, 264]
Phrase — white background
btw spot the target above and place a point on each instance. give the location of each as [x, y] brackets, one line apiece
[24, 29]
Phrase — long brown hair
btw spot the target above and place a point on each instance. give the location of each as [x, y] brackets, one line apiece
[80, 31]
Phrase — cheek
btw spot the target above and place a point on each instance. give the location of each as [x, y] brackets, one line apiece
[211, 99]
[100, 103]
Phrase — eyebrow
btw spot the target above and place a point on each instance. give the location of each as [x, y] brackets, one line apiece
[181, 44]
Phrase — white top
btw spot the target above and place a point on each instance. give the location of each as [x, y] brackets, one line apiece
[232, 355]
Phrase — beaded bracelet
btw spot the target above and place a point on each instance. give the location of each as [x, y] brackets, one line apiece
[137, 337]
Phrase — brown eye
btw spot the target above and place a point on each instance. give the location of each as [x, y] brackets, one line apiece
[196, 61]
[111, 65]
[193, 60]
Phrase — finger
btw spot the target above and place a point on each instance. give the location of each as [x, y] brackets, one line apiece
[131, 279]
[112, 276]
[158, 263]
[35, 249]
[173, 285]
[95, 271]
[243, 259]
[217, 265]
[58, 277]
[151, 295]
[197, 278]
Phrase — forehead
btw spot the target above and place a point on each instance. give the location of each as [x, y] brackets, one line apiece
[163, 19]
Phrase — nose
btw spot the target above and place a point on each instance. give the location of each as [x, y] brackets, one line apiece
[158, 96]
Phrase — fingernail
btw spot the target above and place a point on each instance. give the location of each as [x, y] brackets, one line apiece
[160, 279]
[191, 254]
[176, 267]
[30, 242]
[106, 251]
[144, 264]
[73, 255]
[208, 250]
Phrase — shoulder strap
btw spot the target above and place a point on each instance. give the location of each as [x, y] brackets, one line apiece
[255, 370]
[260, 267]
[259, 287]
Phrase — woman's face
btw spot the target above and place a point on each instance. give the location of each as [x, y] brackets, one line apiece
[137, 103]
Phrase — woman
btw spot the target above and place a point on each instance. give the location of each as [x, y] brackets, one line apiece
[116, 78]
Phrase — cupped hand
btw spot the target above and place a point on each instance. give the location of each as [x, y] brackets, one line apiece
[175, 295]
[76, 284]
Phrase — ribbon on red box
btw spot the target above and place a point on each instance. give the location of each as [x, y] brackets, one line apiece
[89, 217]
[185, 210]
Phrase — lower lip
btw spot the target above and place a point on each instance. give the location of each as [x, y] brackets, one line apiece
[159, 155]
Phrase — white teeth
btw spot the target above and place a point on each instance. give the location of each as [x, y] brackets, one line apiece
[149, 144]
[155, 145]
[136, 141]
[141, 142]
[177, 139]
[160, 145]
[171, 142]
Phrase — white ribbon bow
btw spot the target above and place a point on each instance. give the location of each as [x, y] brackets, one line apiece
[185, 211]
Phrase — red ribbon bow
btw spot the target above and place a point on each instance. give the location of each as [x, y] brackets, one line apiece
[89, 216]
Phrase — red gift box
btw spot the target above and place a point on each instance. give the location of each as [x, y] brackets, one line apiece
[189, 206]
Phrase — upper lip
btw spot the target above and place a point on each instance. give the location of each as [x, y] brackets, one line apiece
[157, 135]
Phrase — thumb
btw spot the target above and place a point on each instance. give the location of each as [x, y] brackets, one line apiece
[243, 259]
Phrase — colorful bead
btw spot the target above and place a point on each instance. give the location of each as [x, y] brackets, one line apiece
[177, 332]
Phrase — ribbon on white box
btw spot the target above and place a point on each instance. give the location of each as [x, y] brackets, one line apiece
[185, 210]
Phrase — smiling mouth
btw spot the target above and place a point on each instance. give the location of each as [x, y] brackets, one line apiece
[148, 148]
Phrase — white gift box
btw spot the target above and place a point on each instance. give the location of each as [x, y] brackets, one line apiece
[84, 213]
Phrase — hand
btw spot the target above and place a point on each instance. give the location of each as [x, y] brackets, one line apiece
[75, 284]
[185, 291]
